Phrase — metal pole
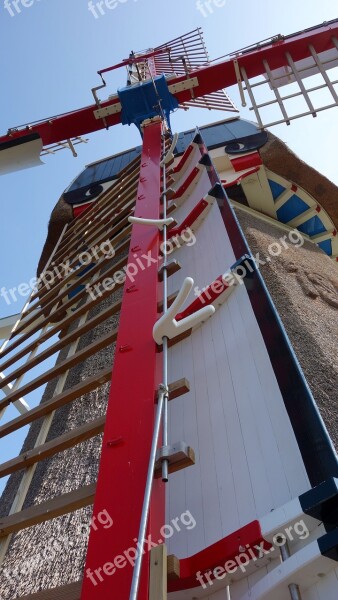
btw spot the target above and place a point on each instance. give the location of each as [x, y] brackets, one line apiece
[165, 463]
[293, 587]
[147, 495]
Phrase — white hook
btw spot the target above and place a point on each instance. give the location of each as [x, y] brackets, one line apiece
[170, 154]
[160, 223]
[167, 326]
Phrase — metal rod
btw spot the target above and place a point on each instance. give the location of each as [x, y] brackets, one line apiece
[147, 495]
[165, 463]
[293, 587]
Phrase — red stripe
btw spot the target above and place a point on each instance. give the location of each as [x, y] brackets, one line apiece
[192, 175]
[190, 219]
[207, 297]
[246, 162]
[227, 184]
[130, 414]
[184, 159]
[217, 555]
[78, 210]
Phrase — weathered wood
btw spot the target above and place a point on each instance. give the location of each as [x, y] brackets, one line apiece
[72, 591]
[63, 326]
[177, 462]
[60, 444]
[62, 343]
[179, 388]
[172, 267]
[171, 208]
[98, 236]
[66, 397]
[70, 362]
[176, 340]
[120, 196]
[158, 573]
[60, 289]
[46, 511]
[108, 197]
[174, 568]
[81, 281]
[113, 216]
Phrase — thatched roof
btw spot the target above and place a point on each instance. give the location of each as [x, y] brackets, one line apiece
[277, 157]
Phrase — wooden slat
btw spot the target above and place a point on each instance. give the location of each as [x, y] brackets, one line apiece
[174, 568]
[65, 291]
[107, 231]
[95, 209]
[64, 341]
[67, 396]
[158, 573]
[179, 461]
[72, 591]
[46, 511]
[179, 388]
[60, 444]
[50, 297]
[179, 338]
[116, 199]
[63, 325]
[80, 281]
[110, 221]
[172, 267]
[70, 362]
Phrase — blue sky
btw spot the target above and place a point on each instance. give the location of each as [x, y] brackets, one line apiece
[49, 55]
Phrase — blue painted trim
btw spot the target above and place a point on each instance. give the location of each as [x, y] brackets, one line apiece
[321, 503]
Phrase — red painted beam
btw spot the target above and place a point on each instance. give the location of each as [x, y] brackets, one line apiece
[222, 75]
[210, 79]
[130, 414]
[64, 127]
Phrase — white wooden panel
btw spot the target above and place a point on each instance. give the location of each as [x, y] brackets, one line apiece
[192, 161]
[325, 590]
[247, 458]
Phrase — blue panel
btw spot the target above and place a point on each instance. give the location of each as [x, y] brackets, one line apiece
[312, 226]
[141, 101]
[291, 209]
[218, 134]
[276, 188]
[326, 247]
[107, 170]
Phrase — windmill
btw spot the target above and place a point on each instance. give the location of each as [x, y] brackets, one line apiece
[164, 204]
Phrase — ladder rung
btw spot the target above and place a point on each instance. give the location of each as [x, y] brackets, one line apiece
[179, 456]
